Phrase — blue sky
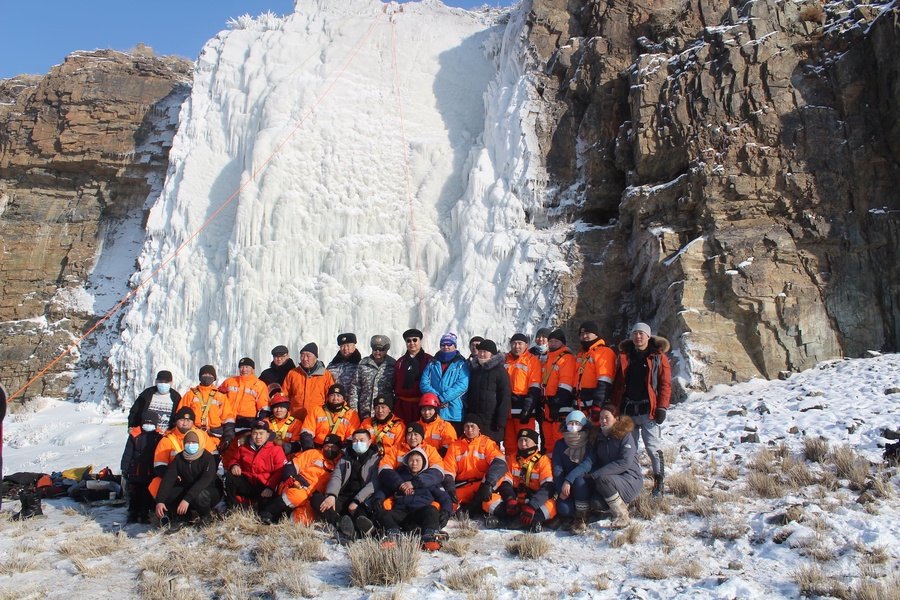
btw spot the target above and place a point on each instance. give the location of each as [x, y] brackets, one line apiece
[38, 34]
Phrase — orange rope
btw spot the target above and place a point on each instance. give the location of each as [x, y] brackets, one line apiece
[409, 195]
[211, 218]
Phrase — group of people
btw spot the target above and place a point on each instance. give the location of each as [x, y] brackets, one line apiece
[530, 438]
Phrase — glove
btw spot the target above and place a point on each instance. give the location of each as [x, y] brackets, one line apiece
[223, 388]
[554, 409]
[512, 507]
[443, 518]
[378, 506]
[527, 515]
[485, 492]
[660, 415]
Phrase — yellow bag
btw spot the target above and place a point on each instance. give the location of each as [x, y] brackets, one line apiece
[77, 473]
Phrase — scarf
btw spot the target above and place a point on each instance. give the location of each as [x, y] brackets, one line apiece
[413, 370]
[577, 444]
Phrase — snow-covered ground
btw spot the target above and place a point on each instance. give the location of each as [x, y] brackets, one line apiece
[728, 542]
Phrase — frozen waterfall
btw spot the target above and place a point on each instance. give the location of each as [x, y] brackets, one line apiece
[330, 235]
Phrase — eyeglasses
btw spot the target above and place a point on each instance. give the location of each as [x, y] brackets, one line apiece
[379, 350]
[411, 340]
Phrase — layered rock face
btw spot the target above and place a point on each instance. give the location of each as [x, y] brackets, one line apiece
[738, 165]
[80, 149]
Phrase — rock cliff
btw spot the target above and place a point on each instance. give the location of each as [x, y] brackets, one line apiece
[81, 149]
[736, 166]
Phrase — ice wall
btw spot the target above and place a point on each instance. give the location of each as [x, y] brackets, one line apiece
[326, 235]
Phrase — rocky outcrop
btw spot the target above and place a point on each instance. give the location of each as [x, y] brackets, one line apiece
[737, 163]
[80, 150]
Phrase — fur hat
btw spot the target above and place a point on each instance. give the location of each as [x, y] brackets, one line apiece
[346, 338]
[380, 341]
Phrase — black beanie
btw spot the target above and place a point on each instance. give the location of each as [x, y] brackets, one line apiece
[383, 399]
[474, 418]
[311, 348]
[247, 361]
[185, 412]
[336, 389]
[531, 434]
[165, 376]
[543, 332]
[557, 334]
[590, 327]
[416, 428]
[518, 337]
[488, 345]
[207, 370]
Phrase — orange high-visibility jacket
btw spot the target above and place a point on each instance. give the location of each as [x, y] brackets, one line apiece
[247, 395]
[306, 391]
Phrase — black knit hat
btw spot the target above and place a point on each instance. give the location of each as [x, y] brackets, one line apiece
[557, 334]
[531, 434]
[416, 428]
[207, 370]
[383, 399]
[312, 348]
[333, 438]
[165, 376]
[346, 338]
[336, 389]
[488, 345]
[247, 362]
[474, 418]
[542, 332]
[518, 337]
[185, 413]
[590, 327]
[477, 339]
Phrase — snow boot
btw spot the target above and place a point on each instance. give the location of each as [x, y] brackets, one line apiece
[579, 525]
[365, 526]
[346, 527]
[659, 478]
[619, 511]
[30, 505]
[272, 511]
[431, 540]
[491, 522]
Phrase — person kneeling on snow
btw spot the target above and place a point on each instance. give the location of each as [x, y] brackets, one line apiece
[348, 498]
[411, 505]
[527, 490]
[189, 483]
[253, 470]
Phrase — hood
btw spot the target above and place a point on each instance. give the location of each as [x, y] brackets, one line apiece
[657, 343]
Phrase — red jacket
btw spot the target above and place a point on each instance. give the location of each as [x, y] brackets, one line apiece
[261, 466]
[659, 374]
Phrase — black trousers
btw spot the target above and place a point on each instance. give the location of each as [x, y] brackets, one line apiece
[239, 485]
[203, 504]
[426, 517]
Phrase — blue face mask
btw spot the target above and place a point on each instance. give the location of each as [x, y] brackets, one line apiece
[148, 427]
[192, 448]
[360, 447]
[163, 388]
[543, 348]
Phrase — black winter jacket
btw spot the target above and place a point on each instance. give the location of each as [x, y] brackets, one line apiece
[489, 392]
[136, 414]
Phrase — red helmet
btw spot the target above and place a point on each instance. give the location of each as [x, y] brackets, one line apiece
[430, 399]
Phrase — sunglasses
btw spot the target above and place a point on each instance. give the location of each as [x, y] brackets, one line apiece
[411, 340]
[380, 349]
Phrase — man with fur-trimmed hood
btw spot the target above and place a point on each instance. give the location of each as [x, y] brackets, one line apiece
[642, 390]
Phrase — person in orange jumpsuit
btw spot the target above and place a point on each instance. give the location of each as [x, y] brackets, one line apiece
[308, 384]
[211, 408]
[524, 369]
[285, 427]
[474, 466]
[527, 490]
[438, 432]
[248, 395]
[333, 417]
[558, 382]
[386, 427]
[596, 371]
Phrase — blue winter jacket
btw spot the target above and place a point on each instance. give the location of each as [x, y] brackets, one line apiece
[450, 385]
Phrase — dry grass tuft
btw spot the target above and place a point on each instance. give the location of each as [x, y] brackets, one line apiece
[764, 485]
[456, 547]
[867, 588]
[601, 581]
[815, 449]
[812, 13]
[92, 546]
[691, 568]
[815, 581]
[370, 564]
[850, 465]
[648, 508]
[873, 555]
[730, 472]
[881, 483]
[28, 592]
[528, 546]
[685, 485]
[466, 527]
[799, 476]
[466, 579]
[763, 461]
[157, 587]
[629, 535]
[18, 562]
[727, 529]
[703, 507]
[654, 570]
[293, 583]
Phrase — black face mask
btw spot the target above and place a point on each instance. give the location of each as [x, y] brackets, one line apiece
[527, 453]
[207, 380]
[333, 407]
[331, 453]
[587, 345]
[433, 417]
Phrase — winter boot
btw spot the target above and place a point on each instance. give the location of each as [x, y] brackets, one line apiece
[390, 539]
[491, 522]
[30, 505]
[365, 526]
[431, 540]
[272, 511]
[619, 511]
[347, 528]
[579, 525]
[659, 478]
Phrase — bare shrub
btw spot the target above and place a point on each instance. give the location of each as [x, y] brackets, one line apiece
[819, 524]
[601, 581]
[528, 546]
[850, 465]
[28, 592]
[815, 581]
[817, 548]
[466, 579]
[874, 555]
[881, 483]
[466, 527]
[629, 535]
[702, 507]
[669, 541]
[92, 546]
[370, 564]
[18, 562]
[799, 476]
[294, 582]
[730, 472]
[764, 485]
[685, 485]
[815, 449]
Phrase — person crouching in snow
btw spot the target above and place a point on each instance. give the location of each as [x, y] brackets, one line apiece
[347, 502]
[253, 470]
[137, 466]
[527, 490]
[307, 473]
[411, 505]
[573, 492]
[613, 470]
[189, 483]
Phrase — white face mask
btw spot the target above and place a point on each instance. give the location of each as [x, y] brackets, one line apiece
[148, 427]
[573, 426]
[360, 447]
